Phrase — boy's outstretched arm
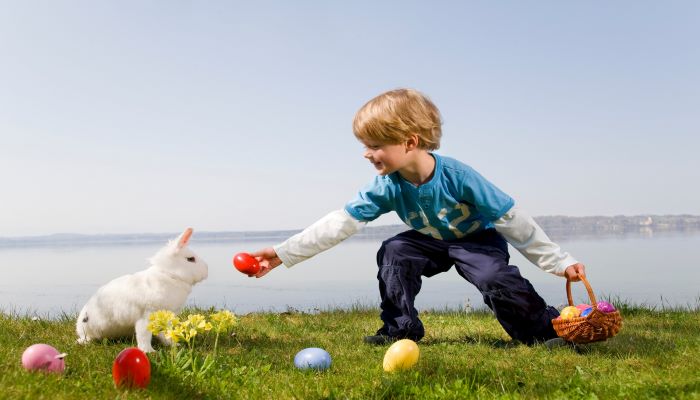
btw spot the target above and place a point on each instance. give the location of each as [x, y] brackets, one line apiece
[523, 233]
[321, 235]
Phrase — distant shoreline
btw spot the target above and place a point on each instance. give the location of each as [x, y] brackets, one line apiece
[557, 227]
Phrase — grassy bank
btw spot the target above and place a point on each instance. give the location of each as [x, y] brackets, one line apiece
[656, 355]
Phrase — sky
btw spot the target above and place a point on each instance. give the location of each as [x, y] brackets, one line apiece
[152, 116]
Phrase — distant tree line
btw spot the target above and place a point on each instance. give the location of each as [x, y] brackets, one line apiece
[557, 227]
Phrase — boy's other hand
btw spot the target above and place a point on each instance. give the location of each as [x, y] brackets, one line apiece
[573, 271]
[268, 261]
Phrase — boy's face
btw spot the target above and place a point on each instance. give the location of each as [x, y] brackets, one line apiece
[386, 158]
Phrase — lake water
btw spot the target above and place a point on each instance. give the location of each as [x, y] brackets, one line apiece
[659, 271]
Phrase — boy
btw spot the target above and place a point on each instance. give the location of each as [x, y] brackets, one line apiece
[457, 218]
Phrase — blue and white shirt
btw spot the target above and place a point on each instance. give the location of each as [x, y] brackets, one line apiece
[455, 202]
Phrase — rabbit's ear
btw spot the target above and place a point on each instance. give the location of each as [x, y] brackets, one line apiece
[184, 238]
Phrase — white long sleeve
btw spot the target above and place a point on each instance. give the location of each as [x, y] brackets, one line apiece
[321, 235]
[523, 233]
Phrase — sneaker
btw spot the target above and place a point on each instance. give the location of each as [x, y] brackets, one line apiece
[559, 342]
[381, 339]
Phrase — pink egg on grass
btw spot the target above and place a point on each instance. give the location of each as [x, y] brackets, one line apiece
[42, 357]
[583, 306]
[604, 306]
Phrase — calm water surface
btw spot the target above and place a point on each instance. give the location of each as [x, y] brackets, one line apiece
[657, 271]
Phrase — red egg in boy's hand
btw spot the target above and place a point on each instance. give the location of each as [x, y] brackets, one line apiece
[246, 263]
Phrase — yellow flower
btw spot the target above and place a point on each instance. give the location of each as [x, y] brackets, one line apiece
[175, 333]
[223, 320]
[198, 323]
[159, 321]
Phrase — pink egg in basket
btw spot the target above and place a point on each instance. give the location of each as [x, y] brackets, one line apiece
[604, 306]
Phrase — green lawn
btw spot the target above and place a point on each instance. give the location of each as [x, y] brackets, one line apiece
[656, 355]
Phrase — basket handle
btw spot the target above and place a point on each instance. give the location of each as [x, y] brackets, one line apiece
[594, 303]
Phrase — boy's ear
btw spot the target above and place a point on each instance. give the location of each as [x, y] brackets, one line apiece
[412, 142]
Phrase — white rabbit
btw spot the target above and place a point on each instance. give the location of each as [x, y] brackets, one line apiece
[122, 306]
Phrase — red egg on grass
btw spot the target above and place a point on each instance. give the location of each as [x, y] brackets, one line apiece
[131, 369]
[246, 263]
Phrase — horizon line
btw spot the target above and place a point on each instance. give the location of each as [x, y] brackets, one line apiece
[275, 233]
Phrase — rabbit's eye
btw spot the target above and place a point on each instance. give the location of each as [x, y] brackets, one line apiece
[190, 259]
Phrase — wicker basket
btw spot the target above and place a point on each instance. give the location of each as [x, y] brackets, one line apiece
[594, 327]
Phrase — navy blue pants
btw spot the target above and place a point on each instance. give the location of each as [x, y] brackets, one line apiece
[480, 258]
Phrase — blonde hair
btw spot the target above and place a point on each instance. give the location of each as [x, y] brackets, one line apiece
[393, 116]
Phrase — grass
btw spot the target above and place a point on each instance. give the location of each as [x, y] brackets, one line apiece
[656, 355]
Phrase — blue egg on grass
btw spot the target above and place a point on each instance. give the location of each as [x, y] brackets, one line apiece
[313, 358]
[587, 311]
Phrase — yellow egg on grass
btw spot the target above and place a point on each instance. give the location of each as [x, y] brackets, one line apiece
[569, 312]
[401, 355]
